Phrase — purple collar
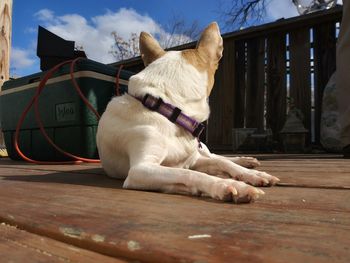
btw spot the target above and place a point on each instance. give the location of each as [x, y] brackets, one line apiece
[172, 113]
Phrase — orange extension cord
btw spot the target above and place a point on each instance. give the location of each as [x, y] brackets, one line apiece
[35, 99]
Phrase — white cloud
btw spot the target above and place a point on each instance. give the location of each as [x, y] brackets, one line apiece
[277, 9]
[125, 21]
[21, 58]
[44, 15]
[95, 34]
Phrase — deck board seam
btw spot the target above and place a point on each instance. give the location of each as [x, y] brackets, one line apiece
[313, 186]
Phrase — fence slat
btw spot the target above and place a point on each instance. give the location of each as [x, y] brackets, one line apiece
[240, 83]
[219, 128]
[324, 65]
[214, 128]
[228, 91]
[255, 83]
[276, 83]
[300, 75]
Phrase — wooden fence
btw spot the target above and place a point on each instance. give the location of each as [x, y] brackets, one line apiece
[5, 46]
[263, 66]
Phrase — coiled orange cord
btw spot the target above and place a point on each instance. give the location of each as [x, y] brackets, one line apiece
[35, 99]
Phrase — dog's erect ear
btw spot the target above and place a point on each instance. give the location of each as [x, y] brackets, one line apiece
[149, 48]
[210, 44]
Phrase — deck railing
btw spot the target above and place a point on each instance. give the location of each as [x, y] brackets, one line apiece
[262, 68]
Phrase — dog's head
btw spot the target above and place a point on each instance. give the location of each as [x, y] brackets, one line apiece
[183, 77]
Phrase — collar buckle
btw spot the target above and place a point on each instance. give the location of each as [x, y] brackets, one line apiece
[151, 102]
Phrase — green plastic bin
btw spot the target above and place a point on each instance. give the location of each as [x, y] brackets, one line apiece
[67, 120]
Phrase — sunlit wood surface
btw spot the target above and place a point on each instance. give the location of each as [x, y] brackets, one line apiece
[77, 214]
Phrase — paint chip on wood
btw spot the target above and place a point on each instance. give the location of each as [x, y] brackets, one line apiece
[71, 232]
[199, 236]
[98, 238]
[11, 216]
[133, 245]
[7, 225]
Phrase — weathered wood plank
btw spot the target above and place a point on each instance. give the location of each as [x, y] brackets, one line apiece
[240, 84]
[87, 177]
[324, 65]
[147, 226]
[321, 173]
[316, 179]
[276, 83]
[320, 163]
[5, 48]
[20, 246]
[300, 73]
[91, 167]
[228, 88]
[311, 171]
[325, 173]
[255, 89]
[219, 129]
[215, 121]
[5, 39]
[298, 157]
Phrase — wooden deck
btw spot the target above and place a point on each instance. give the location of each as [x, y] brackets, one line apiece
[76, 214]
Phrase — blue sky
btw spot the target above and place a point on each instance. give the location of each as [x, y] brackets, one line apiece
[91, 22]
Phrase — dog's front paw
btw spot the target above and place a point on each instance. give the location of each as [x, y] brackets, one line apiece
[256, 178]
[234, 191]
[248, 162]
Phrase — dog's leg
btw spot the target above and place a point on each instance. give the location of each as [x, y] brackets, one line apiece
[224, 167]
[248, 162]
[149, 176]
[146, 173]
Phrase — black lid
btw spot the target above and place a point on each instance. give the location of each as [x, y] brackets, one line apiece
[52, 49]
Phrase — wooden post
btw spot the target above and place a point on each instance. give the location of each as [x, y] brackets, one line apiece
[5, 46]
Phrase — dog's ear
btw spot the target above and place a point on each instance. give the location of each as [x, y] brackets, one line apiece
[149, 48]
[210, 44]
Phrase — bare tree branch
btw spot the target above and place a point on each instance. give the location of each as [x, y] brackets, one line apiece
[178, 32]
[241, 12]
[175, 33]
[125, 49]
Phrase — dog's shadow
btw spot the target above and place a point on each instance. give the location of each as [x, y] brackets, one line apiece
[88, 177]
[93, 177]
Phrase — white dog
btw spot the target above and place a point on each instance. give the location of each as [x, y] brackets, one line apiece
[154, 153]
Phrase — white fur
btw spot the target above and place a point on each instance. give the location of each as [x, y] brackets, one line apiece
[126, 122]
[154, 154]
[175, 81]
